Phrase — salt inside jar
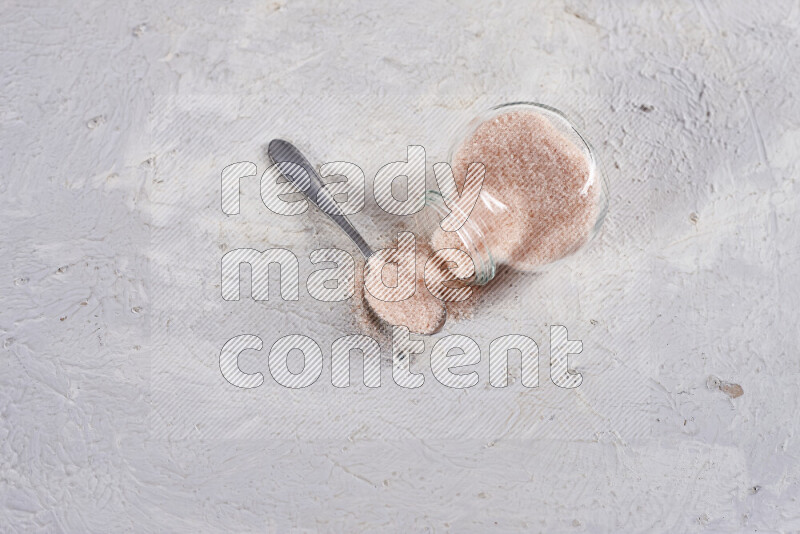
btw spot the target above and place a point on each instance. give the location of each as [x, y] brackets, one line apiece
[543, 195]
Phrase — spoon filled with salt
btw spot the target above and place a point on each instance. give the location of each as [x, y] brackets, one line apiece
[422, 313]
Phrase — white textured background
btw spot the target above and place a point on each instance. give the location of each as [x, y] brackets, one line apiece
[693, 108]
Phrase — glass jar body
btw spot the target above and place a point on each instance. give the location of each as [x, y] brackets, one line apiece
[543, 196]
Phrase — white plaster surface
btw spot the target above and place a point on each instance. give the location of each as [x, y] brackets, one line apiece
[693, 109]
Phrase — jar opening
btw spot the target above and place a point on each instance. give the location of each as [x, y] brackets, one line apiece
[470, 236]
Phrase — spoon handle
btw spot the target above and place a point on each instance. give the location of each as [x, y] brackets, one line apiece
[283, 152]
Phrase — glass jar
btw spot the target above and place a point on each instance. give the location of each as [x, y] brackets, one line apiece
[543, 198]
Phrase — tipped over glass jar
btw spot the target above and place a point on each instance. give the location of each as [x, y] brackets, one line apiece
[543, 195]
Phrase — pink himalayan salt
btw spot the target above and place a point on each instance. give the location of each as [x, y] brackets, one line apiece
[422, 313]
[539, 197]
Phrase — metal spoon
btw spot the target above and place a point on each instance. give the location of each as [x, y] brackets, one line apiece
[283, 154]
[288, 158]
